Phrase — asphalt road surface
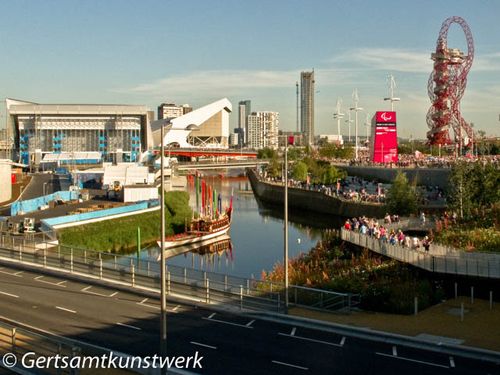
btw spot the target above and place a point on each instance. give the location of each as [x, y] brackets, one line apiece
[229, 343]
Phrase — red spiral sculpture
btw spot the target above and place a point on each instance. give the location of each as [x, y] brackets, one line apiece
[446, 87]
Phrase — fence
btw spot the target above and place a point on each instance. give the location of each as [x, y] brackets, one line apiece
[209, 287]
[457, 262]
[34, 204]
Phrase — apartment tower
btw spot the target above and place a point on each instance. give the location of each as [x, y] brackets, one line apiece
[307, 106]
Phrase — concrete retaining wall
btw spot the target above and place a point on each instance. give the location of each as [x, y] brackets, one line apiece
[312, 200]
[425, 176]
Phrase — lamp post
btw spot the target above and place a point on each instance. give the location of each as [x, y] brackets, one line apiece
[163, 296]
[356, 109]
[285, 239]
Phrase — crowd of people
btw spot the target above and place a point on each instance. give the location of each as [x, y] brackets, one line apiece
[382, 232]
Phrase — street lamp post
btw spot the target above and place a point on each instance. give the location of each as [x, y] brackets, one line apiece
[285, 239]
[163, 312]
[356, 109]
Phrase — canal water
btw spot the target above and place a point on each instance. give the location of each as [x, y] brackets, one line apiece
[256, 233]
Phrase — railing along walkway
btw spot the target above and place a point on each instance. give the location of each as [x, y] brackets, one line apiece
[203, 286]
[438, 259]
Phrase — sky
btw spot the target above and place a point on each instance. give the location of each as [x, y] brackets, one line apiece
[153, 51]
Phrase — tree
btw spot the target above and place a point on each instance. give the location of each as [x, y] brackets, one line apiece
[474, 189]
[299, 171]
[266, 153]
[332, 174]
[402, 197]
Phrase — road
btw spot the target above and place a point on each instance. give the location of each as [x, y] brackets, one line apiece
[229, 343]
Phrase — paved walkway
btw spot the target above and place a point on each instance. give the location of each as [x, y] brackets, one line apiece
[439, 323]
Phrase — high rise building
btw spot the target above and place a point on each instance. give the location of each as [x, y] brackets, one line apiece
[263, 129]
[169, 111]
[244, 109]
[307, 106]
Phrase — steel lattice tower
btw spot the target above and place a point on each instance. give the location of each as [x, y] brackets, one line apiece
[446, 87]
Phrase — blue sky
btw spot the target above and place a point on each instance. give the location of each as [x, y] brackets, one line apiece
[148, 52]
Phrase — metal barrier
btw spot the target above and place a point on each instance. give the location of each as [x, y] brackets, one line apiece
[19, 342]
[456, 262]
[209, 287]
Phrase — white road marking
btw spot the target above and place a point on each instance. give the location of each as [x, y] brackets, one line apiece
[452, 362]
[290, 365]
[39, 279]
[250, 323]
[412, 360]
[86, 290]
[394, 351]
[211, 315]
[142, 303]
[204, 345]
[294, 329]
[65, 309]
[129, 326]
[17, 274]
[311, 340]
[8, 294]
[229, 323]
[342, 342]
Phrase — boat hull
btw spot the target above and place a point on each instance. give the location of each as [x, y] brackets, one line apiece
[196, 238]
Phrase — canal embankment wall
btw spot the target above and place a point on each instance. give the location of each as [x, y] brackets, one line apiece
[423, 176]
[314, 201]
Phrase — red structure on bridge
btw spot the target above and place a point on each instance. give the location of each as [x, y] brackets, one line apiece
[446, 87]
[209, 152]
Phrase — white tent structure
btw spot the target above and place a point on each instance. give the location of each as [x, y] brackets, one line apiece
[207, 126]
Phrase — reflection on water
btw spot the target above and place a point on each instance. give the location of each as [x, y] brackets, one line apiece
[256, 233]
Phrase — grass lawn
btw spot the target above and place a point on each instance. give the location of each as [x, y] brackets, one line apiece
[120, 235]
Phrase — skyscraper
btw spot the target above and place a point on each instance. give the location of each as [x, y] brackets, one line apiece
[244, 110]
[307, 106]
[263, 129]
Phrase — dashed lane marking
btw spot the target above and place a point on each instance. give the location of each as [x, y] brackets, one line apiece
[294, 329]
[412, 360]
[9, 295]
[342, 342]
[129, 326]
[60, 283]
[16, 274]
[394, 351]
[204, 345]
[143, 303]
[226, 322]
[86, 290]
[65, 309]
[311, 340]
[452, 362]
[290, 365]
[211, 315]
[250, 323]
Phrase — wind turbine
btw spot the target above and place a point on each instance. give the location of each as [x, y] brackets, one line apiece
[338, 115]
[356, 109]
[392, 86]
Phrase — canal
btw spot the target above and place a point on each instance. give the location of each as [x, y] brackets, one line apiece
[256, 233]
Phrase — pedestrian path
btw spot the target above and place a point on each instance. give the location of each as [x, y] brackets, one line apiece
[436, 323]
[441, 260]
